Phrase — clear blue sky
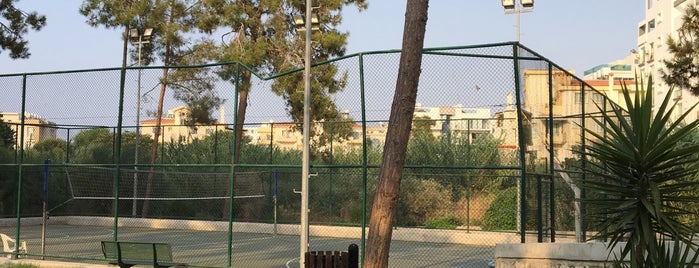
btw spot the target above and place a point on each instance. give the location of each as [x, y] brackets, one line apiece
[575, 34]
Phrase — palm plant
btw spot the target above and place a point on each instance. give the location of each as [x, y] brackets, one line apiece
[640, 183]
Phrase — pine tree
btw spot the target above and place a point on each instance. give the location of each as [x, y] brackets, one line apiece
[14, 24]
[683, 68]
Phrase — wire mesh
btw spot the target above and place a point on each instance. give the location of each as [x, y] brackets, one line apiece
[490, 159]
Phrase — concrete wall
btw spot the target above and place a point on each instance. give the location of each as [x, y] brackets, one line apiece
[544, 255]
[541, 255]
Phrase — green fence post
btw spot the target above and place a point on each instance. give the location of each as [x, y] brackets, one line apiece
[364, 157]
[522, 146]
[552, 212]
[20, 164]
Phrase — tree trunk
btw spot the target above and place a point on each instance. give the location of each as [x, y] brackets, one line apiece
[244, 83]
[397, 136]
[159, 119]
[154, 148]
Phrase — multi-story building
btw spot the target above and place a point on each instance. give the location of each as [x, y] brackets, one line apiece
[663, 18]
[287, 136]
[174, 127]
[35, 128]
[616, 70]
[283, 135]
[456, 120]
[569, 99]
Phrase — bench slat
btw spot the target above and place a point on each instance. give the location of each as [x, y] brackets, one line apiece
[127, 254]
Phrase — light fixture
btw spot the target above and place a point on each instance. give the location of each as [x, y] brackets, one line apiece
[133, 34]
[147, 33]
[138, 38]
[300, 21]
[508, 4]
[518, 7]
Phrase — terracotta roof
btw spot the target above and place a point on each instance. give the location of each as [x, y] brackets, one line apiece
[163, 121]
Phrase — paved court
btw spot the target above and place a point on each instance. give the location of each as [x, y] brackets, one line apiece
[209, 248]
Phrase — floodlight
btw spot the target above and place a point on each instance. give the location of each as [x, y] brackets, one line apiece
[527, 3]
[508, 4]
[133, 35]
[298, 20]
[147, 33]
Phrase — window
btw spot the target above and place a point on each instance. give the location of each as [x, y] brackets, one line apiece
[641, 30]
[578, 98]
[650, 4]
[557, 129]
[651, 25]
[597, 98]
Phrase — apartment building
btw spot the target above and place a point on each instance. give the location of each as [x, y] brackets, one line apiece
[662, 19]
[283, 135]
[456, 120]
[286, 136]
[175, 128]
[35, 130]
[569, 99]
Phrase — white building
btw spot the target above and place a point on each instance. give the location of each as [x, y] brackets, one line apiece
[456, 119]
[663, 18]
[616, 70]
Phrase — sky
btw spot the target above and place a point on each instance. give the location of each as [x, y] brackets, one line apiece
[575, 34]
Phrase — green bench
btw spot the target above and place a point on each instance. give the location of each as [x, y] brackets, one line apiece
[127, 254]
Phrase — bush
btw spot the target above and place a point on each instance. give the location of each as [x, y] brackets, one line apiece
[450, 222]
[423, 200]
[502, 213]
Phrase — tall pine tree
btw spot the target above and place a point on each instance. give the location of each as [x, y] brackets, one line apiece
[683, 67]
[14, 24]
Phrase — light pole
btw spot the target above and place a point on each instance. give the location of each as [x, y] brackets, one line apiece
[518, 7]
[305, 23]
[138, 37]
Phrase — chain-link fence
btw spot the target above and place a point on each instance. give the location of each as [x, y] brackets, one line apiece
[490, 159]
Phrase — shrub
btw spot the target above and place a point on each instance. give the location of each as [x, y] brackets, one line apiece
[423, 200]
[502, 213]
[449, 222]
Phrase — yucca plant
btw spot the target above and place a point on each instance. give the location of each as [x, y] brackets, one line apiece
[640, 183]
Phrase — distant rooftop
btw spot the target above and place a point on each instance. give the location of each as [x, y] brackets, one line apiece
[613, 67]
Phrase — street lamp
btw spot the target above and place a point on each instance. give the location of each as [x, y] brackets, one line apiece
[138, 37]
[304, 23]
[518, 7]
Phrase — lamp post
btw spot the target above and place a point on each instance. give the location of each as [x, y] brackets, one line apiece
[518, 7]
[305, 23]
[138, 37]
